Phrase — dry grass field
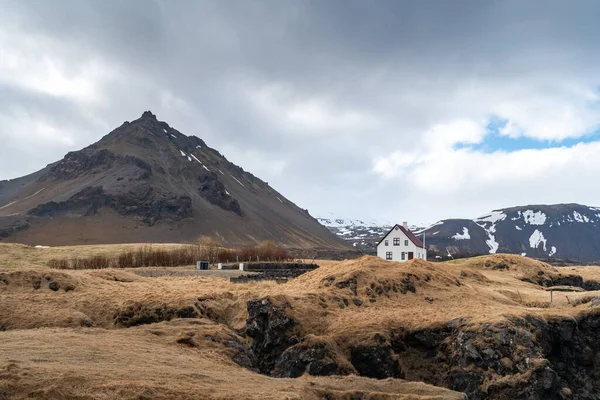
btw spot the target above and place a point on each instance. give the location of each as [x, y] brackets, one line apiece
[107, 334]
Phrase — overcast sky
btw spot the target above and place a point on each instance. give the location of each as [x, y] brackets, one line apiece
[390, 110]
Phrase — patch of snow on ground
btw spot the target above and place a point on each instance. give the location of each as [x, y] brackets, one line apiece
[189, 158]
[279, 199]
[174, 136]
[580, 218]
[42, 247]
[552, 251]
[523, 254]
[518, 228]
[182, 153]
[462, 236]
[221, 172]
[435, 233]
[227, 192]
[198, 147]
[195, 158]
[534, 218]
[237, 180]
[354, 244]
[164, 130]
[204, 166]
[536, 238]
[517, 218]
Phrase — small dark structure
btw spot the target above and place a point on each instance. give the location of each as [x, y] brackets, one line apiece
[202, 265]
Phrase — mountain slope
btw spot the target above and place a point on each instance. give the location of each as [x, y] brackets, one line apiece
[147, 182]
[561, 231]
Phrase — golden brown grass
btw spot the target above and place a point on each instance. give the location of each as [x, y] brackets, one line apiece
[58, 340]
[149, 363]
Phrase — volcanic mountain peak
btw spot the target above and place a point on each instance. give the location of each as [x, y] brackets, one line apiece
[146, 181]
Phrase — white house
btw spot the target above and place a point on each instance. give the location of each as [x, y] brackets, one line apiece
[400, 244]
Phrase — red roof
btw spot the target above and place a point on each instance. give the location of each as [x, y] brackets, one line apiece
[412, 237]
[408, 233]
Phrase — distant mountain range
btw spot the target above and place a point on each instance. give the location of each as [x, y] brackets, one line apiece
[360, 234]
[147, 182]
[565, 231]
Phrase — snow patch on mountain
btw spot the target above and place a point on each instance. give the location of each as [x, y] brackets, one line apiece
[580, 218]
[236, 179]
[462, 236]
[337, 222]
[552, 251]
[488, 223]
[534, 218]
[536, 238]
[418, 231]
[492, 217]
[517, 227]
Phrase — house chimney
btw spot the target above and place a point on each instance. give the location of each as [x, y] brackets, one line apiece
[405, 225]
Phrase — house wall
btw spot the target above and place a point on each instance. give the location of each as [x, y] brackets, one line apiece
[397, 251]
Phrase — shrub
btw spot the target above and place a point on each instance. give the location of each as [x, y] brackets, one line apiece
[148, 256]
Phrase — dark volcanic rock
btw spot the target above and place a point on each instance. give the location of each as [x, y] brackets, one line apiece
[378, 362]
[214, 191]
[143, 313]
[144, 203]
[272, 330]
[77, 162]
[314, 358]
[12, 225]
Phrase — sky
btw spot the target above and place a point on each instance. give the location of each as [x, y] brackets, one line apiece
[385, 110]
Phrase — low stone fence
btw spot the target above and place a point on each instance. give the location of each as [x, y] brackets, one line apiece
[279, 272]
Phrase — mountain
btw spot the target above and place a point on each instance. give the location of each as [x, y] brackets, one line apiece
[566, 231]
[361, 235]
[559, 231]
[147, 182]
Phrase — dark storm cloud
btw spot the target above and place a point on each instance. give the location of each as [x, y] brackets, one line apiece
[306, 94]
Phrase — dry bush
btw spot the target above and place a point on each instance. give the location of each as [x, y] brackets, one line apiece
[266, 251]
[148, 256]
[126, 260]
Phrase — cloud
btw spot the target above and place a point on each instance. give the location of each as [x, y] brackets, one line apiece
[365, 110]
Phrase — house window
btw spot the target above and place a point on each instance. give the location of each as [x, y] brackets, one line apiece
[396, 241]
[406, 242]
[388, 255]
[387, 242]
[402, 256]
